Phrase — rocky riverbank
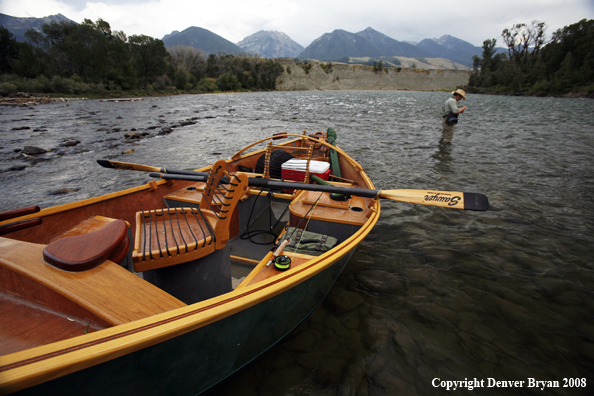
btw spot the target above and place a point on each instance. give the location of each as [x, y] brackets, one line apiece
[341, 76]
[28, 99]
[36, 139]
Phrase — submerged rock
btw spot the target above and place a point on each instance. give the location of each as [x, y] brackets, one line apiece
[19, 167]
[380, 281]
[32, 150]
[131, 135]
[69, 143]
[62, 191]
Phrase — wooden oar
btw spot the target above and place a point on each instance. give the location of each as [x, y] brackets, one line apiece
[20, 225]
[445, 199]
[145, 168]
[11, 214]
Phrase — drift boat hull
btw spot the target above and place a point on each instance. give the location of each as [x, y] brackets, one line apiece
[144, 338]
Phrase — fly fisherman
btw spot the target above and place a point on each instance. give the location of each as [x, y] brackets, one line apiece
[450, 117]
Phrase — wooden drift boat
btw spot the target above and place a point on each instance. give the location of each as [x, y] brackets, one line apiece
[172, 286]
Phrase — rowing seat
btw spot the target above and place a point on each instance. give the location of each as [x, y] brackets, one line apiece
[167, 237]
[84, 251]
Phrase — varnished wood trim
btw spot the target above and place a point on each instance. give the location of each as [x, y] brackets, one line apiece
[110, 343]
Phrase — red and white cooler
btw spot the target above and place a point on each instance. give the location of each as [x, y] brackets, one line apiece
[294, 169]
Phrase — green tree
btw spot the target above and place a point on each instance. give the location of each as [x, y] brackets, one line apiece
[228, 82]
[149, 57]
[9, 51]
[570, 54]
[484, 69]
[524, 42]
[188, 59]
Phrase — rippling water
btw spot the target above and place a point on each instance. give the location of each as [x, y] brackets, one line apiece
[432, 295]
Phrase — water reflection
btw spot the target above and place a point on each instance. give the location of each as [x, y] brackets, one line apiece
[442, 157]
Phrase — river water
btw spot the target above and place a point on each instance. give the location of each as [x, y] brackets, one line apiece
[432, 295]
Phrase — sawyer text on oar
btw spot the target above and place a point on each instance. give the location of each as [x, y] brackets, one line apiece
[441, 197]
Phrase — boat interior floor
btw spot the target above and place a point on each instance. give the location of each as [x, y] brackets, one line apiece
[257, 239]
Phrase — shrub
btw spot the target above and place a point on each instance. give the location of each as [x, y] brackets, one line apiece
[228, 82]
[7, 88]
[162, 82]
[207, 85]
[326, 67]
[305, 66]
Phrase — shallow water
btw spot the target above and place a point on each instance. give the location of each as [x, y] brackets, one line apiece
[432, 295]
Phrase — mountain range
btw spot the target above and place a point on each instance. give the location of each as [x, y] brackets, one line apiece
[202, 39]
[271, 44]
[18, 26]
[367, 43]
[335, 46]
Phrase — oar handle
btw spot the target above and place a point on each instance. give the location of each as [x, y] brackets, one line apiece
[20, 225]
[10, 214]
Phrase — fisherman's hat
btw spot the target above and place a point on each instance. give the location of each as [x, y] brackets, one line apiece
[460, 92]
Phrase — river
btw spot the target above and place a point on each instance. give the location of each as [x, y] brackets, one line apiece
[433, 295]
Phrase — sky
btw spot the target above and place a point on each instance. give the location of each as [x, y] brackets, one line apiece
[305, 20]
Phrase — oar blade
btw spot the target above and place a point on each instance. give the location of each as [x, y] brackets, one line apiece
[445, 199]
[476, 201]
[127, 166]
[105, 164]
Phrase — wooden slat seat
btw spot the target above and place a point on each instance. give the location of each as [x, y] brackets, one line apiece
[171, 236]
[166, 237]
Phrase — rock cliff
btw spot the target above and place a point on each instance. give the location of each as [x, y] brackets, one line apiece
[360, 77]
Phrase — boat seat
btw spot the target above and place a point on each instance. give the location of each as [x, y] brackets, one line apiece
[106, 295]
[91, 224]
[95, 223]
[166, 237]
[83, 251]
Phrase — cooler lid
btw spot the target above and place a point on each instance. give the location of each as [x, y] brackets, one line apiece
[300, 164]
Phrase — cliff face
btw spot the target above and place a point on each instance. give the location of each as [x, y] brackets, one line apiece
[358, 77]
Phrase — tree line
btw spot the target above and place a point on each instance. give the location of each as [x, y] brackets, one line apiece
[532, 66]
[90, 58]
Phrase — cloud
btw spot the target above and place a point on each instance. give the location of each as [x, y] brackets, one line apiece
[306, 20]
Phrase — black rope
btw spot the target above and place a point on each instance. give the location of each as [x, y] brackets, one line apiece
[190, 228]
[180, 231]
[251, 234]
[173, 233]
[157, 232]
[165, 232]
[210, 192]
[210, 231]
[144, 237]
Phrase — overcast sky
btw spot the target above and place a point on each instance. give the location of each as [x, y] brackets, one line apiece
[305, 20]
